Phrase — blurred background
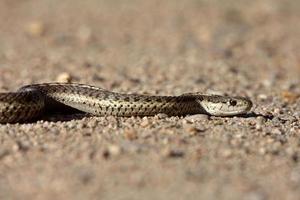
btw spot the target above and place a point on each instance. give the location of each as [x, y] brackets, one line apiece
[169, 45]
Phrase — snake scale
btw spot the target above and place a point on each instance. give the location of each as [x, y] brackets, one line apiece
[32, 101]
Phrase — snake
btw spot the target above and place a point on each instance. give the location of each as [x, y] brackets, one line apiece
[34, 100]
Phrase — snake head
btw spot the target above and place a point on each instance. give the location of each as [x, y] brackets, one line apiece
[224, 106]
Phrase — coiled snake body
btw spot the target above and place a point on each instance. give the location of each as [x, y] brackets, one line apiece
[31, 101]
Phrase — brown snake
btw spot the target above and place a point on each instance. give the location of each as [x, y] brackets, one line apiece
[31, 101]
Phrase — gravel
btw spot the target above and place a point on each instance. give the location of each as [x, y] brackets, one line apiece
[155, 47]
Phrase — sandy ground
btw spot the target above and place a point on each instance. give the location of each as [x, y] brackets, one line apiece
[248, 48]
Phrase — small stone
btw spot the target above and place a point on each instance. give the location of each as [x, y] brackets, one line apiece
[85, 175]
[36, 28]
[64, 78]
[192, 130]
[161, 116]
[92, 124]
[258, 127]
[145, 122]
[275, 148]
[270, 140]
[296, 114]
[259, 122]
[289, 96]
[130, 134]
[290, 151]
[262, 96]
[196, 118]
[165, 141]
[262, 151]
[112, 150]
[276, 131]
[277, 111]
[133, 147]
[198, 153]
[21, 146]
[173, 153]
[226, 153]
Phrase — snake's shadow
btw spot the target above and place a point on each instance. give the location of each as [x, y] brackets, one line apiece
[70, 114]
[77, 115]
[253, 114]
[57, 112]
[64, 117]
[64, 114]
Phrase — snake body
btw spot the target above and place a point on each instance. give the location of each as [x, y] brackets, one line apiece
[31, 101]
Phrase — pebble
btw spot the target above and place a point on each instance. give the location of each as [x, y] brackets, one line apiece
[145, 122]
[173, 153]
[275, 148]
[192, 130]
[112, 150]
[290, 151]
[259, 122]
[277, 111]
[198, 153]
[161, 116]
[85, 174]
[92, 123]
[64, 78]
[36, 28]
[196, 118]
[262, 150]
[133, 147]
[21, 146]
[296, 114]
[130, 134]
[226, 153]
[276, 131]
[262, 96]
[289, 96]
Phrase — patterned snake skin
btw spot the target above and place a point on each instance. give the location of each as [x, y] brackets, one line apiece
[31, 101]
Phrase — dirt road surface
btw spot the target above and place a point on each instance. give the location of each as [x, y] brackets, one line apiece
[247, 48]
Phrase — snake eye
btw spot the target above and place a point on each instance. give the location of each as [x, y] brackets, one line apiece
[232, 102]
